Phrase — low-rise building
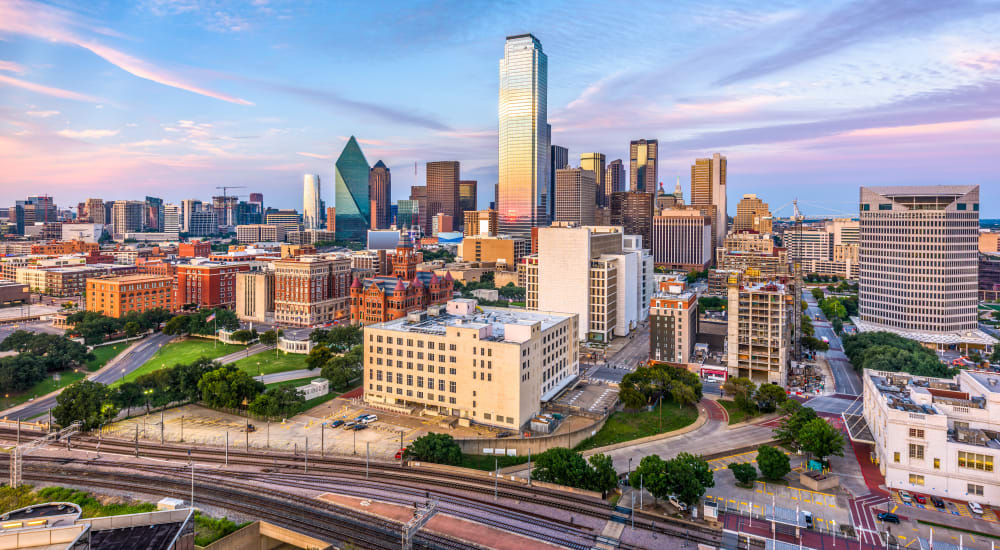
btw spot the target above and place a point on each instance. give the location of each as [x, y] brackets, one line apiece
[116, 296]
[936, 436]
[12, 293]
[759, 333]
[257, 233]
[506, 252]
[207, 284]
[673, 323]
[491, 366]
[194, 249]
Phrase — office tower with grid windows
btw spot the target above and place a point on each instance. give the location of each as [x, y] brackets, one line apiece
[642, 165]
[708, 189]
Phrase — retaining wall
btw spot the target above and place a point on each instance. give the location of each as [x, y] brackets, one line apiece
[520, 446]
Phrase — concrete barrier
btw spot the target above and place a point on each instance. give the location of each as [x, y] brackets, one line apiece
[520, 446]
[519, 480]
[262, 535]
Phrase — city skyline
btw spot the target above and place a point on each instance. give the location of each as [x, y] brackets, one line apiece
[87, 104]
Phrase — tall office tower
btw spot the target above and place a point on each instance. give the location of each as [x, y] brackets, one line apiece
[311, 213]
[257, 198]
[188, 207]
[171, 218]
[380, 195]
[642, 165]
[759, 331]
[423, 217]
[480, 223]
[468, 197]
[524, 139]
[247, 213]
[81, 211]
[407, 214]
[153, 215]
[633, 212]
[708, 188]
[331, 218]
[127, 216]
[575, 196]
[808, 244]
[845, 230]
[353, 206]
[614, 179]
[95, 211]
[442, 188]
[678, 192]
[595, 163]
[558, 159]
[752, 214]
[918, 263]
[682, 239]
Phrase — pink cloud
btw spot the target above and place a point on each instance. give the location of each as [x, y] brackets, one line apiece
[47, 90]
[11, 67]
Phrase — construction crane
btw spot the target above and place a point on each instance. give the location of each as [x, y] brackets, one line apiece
[797, 273]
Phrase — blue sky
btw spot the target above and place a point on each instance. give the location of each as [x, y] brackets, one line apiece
[810, 99]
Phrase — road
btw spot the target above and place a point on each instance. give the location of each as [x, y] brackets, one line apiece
[250, 350]
[32, 326]
[633, 350]
[288, 375]
[114, 370]
[845, 378]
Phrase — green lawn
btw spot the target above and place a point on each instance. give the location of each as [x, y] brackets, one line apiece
[270, 364]
[626, 426]
[44, 387]
[185, 351]
[312, 402]
[104, 354]
[735, 415]
[488, 463]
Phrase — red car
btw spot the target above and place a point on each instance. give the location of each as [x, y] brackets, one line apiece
[399, 453]
[920, 498]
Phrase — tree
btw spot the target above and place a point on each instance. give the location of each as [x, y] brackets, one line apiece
[769, 397]
[797, 416]
[280, 402]
[20, 372]
[821, 439]
[744, 472]
[604, 477]
[632, 398]
[85, 401]
[228, 387]
[128, 395]
[436, 448]
[269, 338]
[651, 474]
[838, 326]
[688, 476]
[742, 390]
[177, 325]
[243, 336]
[773, 463]
[318, 356]
[683, 395]
[814, 344]
[818, 293]
[562, 466]
[132, 328]
[995, 356]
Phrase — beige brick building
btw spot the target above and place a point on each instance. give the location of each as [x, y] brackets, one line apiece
[759, 333]
[492, 366]
[255, 296]
[506, 252]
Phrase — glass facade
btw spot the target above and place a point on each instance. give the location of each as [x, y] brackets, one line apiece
[407, 212]
[353, 206]
[524, 136]
[310, 201]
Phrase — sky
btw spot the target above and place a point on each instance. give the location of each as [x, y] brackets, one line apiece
[808, 100]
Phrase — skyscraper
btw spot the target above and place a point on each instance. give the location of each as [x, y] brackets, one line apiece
[595, 163]
[442, 188]
[257, 198]
[752, 214]
[918, 263]
[468, 198]
[380, 194]
[352, 201]
[420, 216]
[558, 159]
[708, 188]
[188, 207]
[171, 218]
[642, 165]
[634, 212]
[311, 213]
[575, 196]
[95, 211]
[153, 215]
[614, 180]
[127, 216]
[523, 135]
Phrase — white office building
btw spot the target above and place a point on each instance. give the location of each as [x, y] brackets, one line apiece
[311, 207]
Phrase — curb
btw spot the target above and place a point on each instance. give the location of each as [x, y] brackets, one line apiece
[698, 423]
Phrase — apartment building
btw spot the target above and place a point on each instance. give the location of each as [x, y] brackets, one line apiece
[936, 436]
[260, 233]
[682, 239]
[742, 251]
[206, 283]
[310, 290]
[491, 366]
[480, 223]
[809, 244]
[673, 323]
[116, 296]
[759, 331]
[255, 296]
[506, 252]
[194, 249]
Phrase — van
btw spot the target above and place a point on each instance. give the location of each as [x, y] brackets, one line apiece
[369, 419]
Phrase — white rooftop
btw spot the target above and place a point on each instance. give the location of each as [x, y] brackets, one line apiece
[974, 336]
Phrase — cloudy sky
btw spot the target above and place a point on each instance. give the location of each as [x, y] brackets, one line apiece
[171, 98]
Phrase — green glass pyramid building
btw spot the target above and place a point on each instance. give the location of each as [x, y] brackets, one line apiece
[351, 188]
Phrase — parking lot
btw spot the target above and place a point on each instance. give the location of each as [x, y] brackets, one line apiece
[953, 507]
[595, 398]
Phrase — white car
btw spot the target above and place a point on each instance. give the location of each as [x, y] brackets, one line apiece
[678, 504]
[905, 497]
[369, 419]
[975, 508]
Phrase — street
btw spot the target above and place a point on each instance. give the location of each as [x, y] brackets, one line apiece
[844, 377]
[631, 351]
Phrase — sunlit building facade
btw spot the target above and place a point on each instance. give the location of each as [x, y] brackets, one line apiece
[524, 141]
[310, 201]
[642, 165]
[380, 194]
[353, 207]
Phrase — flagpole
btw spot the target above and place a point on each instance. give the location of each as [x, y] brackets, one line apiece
[216, 321]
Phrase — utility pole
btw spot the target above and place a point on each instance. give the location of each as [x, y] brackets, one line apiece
[307, 455]
[322, 440]
[367, 451]
[137, 440]
[797, 272]
[161, 426]
[496, 478]
[227, 448]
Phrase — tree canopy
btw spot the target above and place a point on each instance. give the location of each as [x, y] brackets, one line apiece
[773, 463]
[228, 387]
[568, 467]
[821, 439]
[280, 402]
[686, 476]
[649, 381]
[436, 448]
[86, 401]
[53, 351]
[95, 327]
[885, 351]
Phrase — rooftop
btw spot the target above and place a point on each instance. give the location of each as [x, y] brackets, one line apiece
[974, 336]
[437, 320]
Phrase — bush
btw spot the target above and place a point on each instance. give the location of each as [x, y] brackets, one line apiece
[773, 463]
[888, 352]
[744, 472]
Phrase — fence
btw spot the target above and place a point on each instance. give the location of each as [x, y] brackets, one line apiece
[843, 531]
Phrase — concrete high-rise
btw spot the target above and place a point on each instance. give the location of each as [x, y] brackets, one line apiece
[127, 217]
[480, 223]
[380, 195]
[642, 165]
[442, 188]
[595, 163]
[523, 136]
[558, 159]
[153, 214]
[352, 201]
[95, 211]
[633, 212]
[708, 188]
[575, 189]
[418, 193]
[171, 218]
[682, 239]
[752, 214]
[918, 264]
[759, 331]
[614, 180]
[311, 213]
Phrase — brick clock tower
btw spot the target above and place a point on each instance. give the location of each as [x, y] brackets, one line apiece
[404, 265]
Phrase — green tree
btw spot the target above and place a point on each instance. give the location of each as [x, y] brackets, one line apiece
[688, 476]
[744, 472]
[20, 372]
[838, 326]
[773, 463]
[821, 439]
[269, 338]
[651, 474]
[818, 293]
[742, 390]
[797, 415]
[280, 402]
[604, 478]
[683, 395]
[128, 395]
[228, 387]
[632, 398]
[318, 356]
[86, 401]
[243, 336]
[132, 328]
[436, 448]
[769, 397]
[562, 466]
[177, 325]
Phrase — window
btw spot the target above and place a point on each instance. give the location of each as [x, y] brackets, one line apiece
[975, 461]
[916, 451]
[452, 387]
[917, 433]
[937, 463]
[487, 416]
[961, 206]
[974, 489]
[916, 479]
[885, 207]
[895, 456]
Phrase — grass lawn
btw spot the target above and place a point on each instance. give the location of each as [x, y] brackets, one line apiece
[312, 402]
[45, 386]
[270, 364]
[487, 464]
[626, 426]
[104, 354]
[735, 415]
[185, 351]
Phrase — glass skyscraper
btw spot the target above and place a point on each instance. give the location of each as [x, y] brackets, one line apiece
[310, 201]
[524, 136]
[353, 206]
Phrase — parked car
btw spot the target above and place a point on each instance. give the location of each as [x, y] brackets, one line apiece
[975, 508]
[906, 497]
[505, 434]
[888, 517]
[399, 453]
[809, 519]
[920, 498]
[337, 423]
[938, 503]
[369, 419]
[360, 426]
[349, 425]
[677, 503]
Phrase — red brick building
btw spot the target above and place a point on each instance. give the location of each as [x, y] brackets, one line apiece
[206, 284]
[194, 249]
[310, 290]
[382, 299]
